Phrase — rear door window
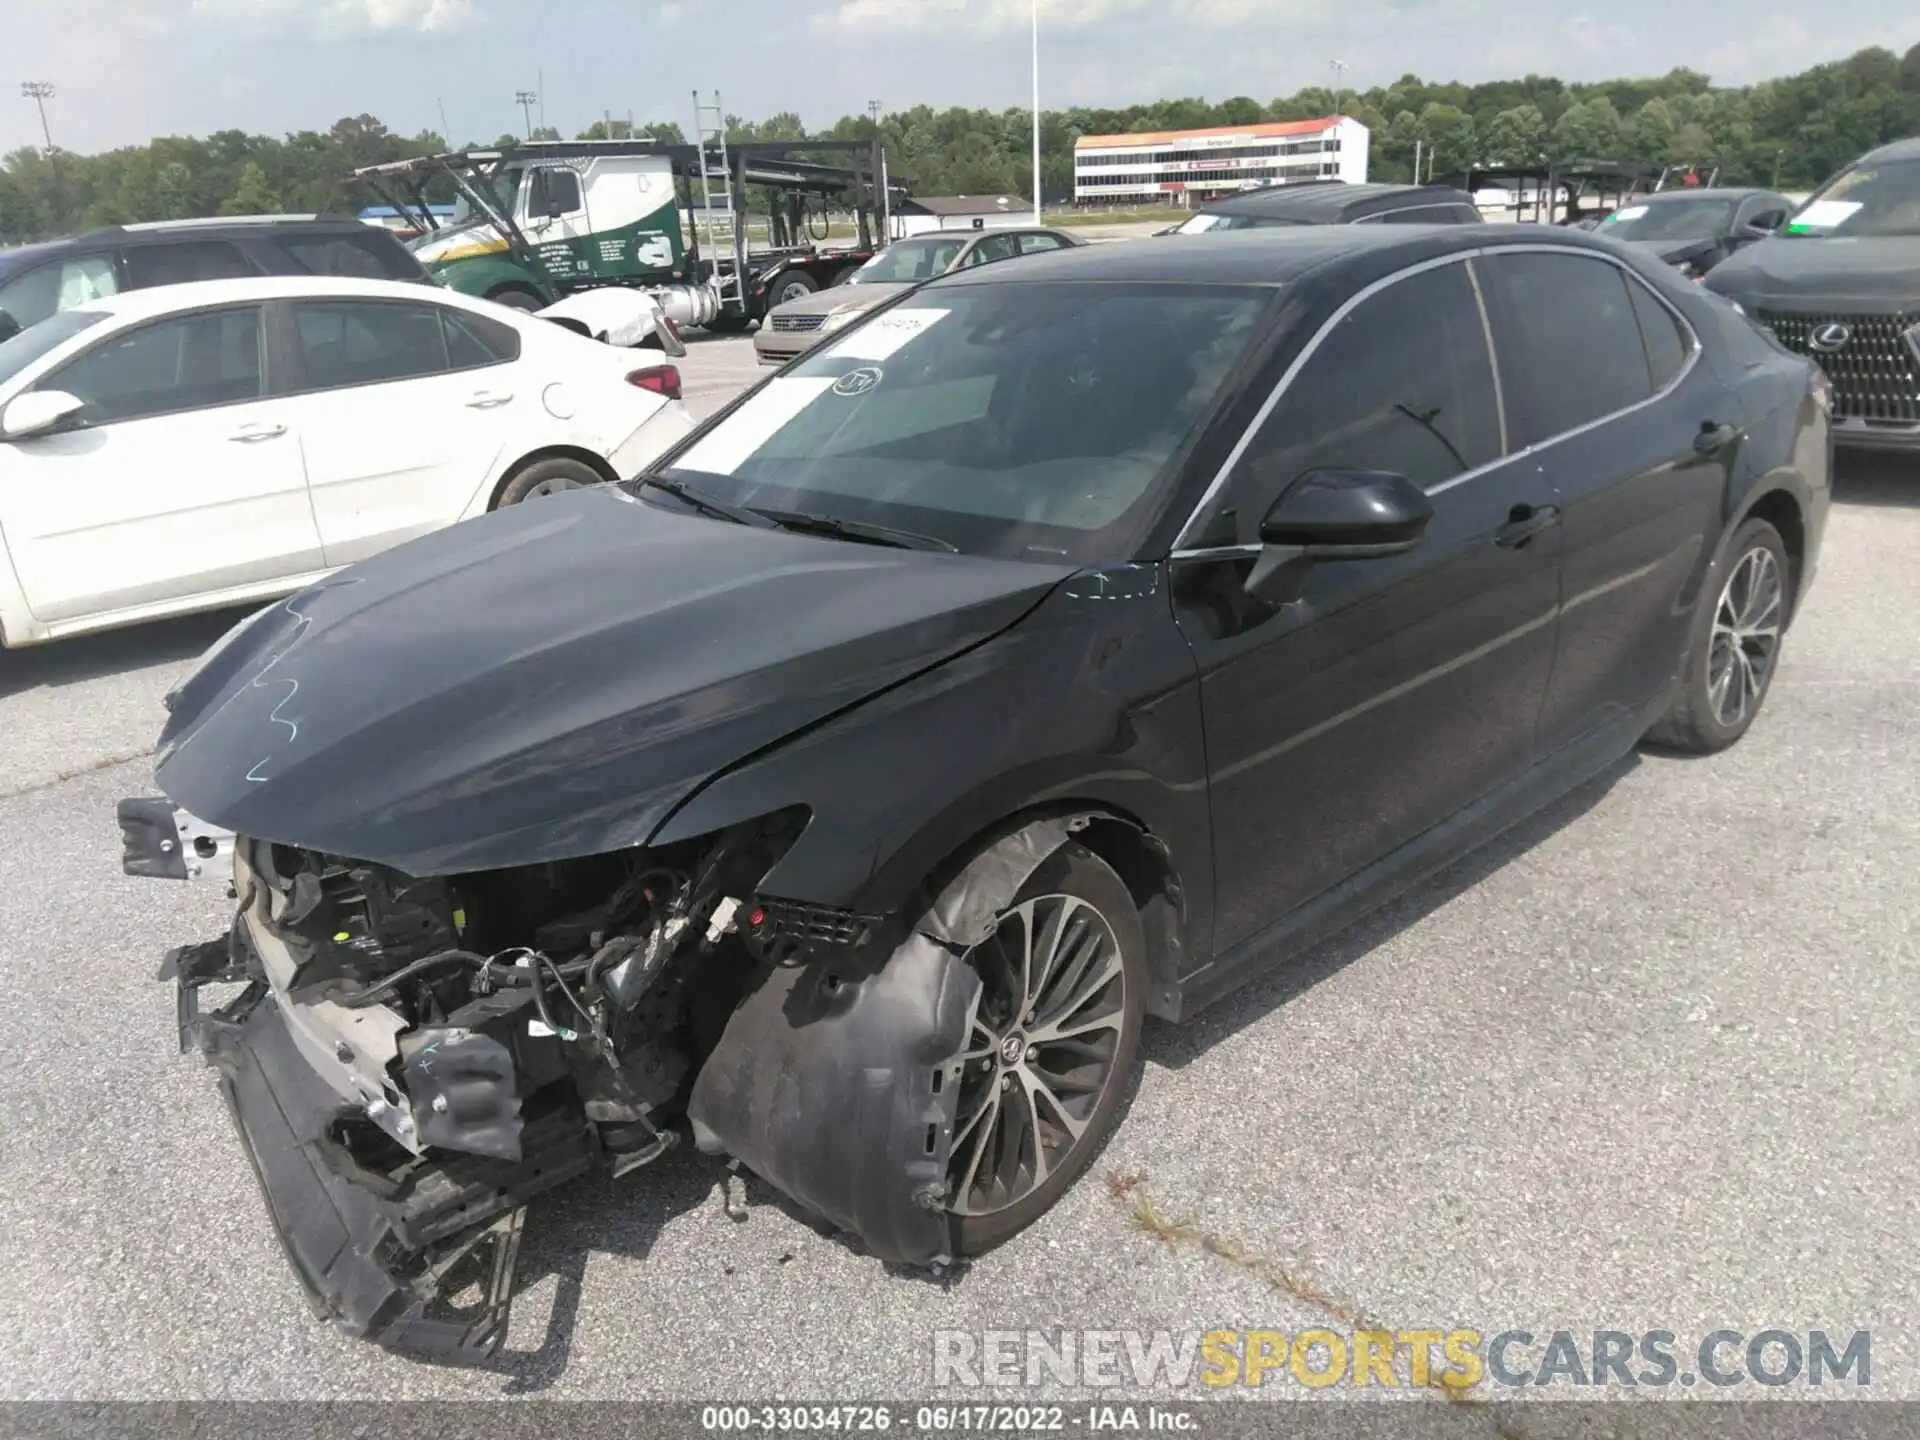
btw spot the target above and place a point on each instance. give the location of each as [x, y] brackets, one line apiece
[180, 262]
[362, 342]
[1034, 244]
[373, 256]
[58, 285]
[1666, 338]
[999, 247]
[474, 340]
[1568, 340]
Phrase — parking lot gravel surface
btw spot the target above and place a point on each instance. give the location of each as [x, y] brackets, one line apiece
[1647, 1062]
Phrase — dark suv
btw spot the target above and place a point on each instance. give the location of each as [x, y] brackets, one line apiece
[1334, 202]
[38, 280]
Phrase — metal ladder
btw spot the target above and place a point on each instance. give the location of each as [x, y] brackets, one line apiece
[717, 198]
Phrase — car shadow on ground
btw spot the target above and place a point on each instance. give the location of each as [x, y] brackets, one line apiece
[1875, 479]
[114, 652]
[1175, 1046]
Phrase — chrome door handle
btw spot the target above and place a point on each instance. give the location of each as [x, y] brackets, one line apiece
[252, 434]
[487, 400]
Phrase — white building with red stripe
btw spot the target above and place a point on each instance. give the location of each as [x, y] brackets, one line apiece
[1198, 165]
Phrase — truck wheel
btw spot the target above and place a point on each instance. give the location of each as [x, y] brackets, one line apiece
[790, 285]
[728, 324]
[514, 298]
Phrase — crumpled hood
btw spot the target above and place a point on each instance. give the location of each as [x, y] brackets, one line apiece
[551, 680]
[1877, 270]
[840, 297]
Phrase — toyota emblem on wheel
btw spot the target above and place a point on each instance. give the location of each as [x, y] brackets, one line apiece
[1831, 337]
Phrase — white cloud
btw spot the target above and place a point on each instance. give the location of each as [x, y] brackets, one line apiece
[340, 18]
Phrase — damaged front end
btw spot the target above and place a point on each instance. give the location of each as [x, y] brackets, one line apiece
[410, 1061]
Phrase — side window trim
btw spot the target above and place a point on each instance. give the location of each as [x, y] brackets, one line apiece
[1197, 517]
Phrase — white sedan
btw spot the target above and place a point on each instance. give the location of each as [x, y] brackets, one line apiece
[210, 444]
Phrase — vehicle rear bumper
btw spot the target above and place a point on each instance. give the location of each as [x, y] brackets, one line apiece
[372, 1253]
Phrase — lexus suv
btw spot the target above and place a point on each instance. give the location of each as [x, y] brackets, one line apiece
[1840, 283]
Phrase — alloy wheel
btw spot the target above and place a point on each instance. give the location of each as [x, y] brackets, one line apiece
[1746, 636]
[1041, 1053]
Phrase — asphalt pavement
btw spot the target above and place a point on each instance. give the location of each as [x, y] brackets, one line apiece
[1646, 1063]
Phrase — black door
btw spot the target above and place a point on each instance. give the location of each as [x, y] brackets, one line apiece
[1396, 690]
[1635, 436]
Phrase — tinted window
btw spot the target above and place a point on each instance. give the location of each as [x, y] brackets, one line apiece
[363, 342]
[1667, 341]
[1424, 215]
[186, 363]
[56, 286]
[474, 340]
[1034, 244]
[1403, 383]
[372, 256]
[1014, 419]
[553, 192]
[183, 261]
[1569, 345]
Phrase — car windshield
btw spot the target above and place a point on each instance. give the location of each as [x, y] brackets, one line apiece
[37, 340]
[1022, 420]
[1682, 219]
[906, 261]
[1865, 200]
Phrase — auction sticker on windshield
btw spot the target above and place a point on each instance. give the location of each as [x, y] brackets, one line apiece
[726, 448]
[1824, 215]
[886, 334]
[1632, 212]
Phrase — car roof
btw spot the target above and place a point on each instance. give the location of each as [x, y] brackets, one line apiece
[198, 294]
[1712, 192]
[1276, 255]
[230, 227]
[1326, 203]
[1908, 149]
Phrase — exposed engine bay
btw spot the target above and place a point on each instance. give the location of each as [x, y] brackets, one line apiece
[411, 1060]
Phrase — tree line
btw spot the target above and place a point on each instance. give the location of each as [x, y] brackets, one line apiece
[1789, 132]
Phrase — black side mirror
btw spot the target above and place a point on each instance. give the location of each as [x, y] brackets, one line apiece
[1336, 515]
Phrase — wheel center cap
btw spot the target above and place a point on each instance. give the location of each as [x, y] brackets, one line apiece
[1013, 1049]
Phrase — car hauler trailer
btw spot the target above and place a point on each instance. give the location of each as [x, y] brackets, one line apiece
[537, 222]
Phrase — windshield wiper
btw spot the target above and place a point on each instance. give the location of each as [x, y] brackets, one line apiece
[700, 500]
[861, 530]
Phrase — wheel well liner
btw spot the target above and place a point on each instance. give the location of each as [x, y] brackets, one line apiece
[1780, 509]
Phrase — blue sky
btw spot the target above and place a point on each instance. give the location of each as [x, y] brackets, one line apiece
[125, 70]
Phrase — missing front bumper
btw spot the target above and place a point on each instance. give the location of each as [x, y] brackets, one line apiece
[378, 1250]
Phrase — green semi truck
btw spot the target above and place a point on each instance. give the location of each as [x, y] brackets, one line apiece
[537, 222]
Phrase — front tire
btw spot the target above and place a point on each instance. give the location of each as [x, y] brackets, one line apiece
[1735, 646]
[790, 285]
[1054, 1047]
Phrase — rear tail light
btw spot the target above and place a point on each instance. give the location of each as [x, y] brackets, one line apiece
[660, 379]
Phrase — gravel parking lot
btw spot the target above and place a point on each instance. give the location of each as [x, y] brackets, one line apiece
[1648, 1063]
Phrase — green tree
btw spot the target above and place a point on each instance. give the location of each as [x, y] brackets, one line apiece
[252, 195]
[1517, 136]
[1588, 130]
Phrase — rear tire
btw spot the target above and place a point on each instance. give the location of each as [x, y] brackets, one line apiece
[1084, 1055]
[547, 477]
[515, 298]
[790, 285]
[1735, 645]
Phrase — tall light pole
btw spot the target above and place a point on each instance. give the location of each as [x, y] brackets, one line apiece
[1339, 83]
[1036, 112]
[524, 99]
[40, 91]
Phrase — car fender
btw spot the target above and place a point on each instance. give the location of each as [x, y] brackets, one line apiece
[1089, 704]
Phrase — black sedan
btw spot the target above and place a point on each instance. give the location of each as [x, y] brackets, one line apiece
[1063, 644]
[1694, 230]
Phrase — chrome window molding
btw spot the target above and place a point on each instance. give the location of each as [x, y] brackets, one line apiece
[1182, 550]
